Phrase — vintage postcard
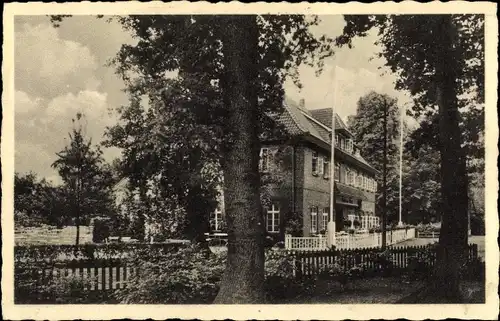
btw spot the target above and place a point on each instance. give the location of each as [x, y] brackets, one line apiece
[250, 161]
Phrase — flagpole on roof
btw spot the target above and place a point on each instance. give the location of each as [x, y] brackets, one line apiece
[331, 223]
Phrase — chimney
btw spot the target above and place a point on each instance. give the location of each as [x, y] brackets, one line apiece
[302, 103]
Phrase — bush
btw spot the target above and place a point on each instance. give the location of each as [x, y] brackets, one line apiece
[190, 275]
[280, 282]
[66, 290]
[419, 266]
[474, 270]
[70, 290]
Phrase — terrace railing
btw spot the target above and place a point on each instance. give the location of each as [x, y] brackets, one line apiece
[351, 241]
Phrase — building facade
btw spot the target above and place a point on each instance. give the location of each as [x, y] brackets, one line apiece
[298, 177]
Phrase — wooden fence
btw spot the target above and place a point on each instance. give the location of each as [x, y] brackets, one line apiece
[309, 263]
[96, 275]
[107, 275]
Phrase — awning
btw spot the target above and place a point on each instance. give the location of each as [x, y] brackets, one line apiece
[349, 191]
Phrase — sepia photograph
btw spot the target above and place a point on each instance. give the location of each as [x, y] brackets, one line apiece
[282, 156]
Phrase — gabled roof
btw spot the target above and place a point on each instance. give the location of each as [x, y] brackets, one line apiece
[314, 123]
[324, 116]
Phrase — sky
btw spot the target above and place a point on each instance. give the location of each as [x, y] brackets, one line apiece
[62, 71]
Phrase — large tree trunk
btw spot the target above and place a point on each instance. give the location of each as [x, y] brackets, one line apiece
[243, 280]
[453, 236]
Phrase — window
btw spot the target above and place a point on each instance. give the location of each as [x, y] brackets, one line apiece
[350, 177]
[350, 145]
[337, 172]
[363, 182]
[324, 218]
[273, 218]
[342, 143]
[264, 159]
[315, 163]
[314, 219]
[321, 165]
[343, 176]
[359, 179]
[216, 220]
[337, 140]
[326, 168]
[374, 185]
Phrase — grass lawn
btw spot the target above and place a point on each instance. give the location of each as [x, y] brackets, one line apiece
[474, 239]
[370, 291]
[389, 290]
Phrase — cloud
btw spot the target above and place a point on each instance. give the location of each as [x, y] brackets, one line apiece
[25, 104]
[46, 65]
[360, 72]
[42, 127]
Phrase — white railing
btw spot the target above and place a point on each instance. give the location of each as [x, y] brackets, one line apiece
[305, 243]
[430, 234]
[351, 241]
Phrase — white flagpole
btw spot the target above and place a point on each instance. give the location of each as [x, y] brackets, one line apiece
[331, 222]
[400, 223]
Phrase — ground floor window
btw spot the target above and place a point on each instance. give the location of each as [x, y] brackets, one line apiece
[314, 219]
[216, 220]
[273, 218]
[324, 219]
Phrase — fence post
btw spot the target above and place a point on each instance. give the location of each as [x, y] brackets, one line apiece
[287, 241]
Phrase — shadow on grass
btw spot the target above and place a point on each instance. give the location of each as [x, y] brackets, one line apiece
[472, 292]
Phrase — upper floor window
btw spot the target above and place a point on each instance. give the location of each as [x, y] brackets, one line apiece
[337, 172]
[350, 177]
[321, 165]
[350, 145]
[315, 162]
[337, 140]
[359, 179]
[273, 218]
[264, 159]
[326, 168]
[374, 185]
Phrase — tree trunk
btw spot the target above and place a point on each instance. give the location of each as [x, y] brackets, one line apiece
[243, 280]
[453, 235]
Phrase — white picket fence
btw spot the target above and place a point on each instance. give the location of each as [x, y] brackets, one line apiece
[351, 241]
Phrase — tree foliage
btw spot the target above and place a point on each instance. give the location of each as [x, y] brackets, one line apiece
[197, 126]
[37, 202]
[181, 134]
[87, 179]
[439, 59]
[368, 128]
